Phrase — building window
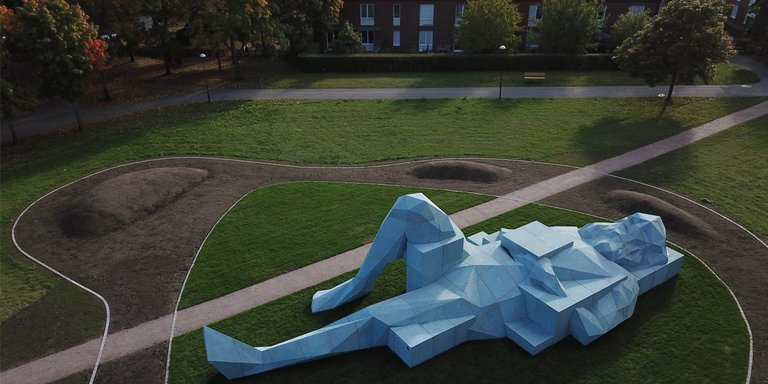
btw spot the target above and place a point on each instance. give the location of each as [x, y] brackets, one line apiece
[395, 38]
[330, 37]
[601, 14]
[459, 12]
[366, 14]
[534, 14]
[396, 14]
[636, 9]
[425, 41]
[734, 11]
[426, 14]
[366, 37]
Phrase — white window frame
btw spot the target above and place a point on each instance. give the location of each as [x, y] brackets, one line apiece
[396, 15]
[747, 17]
[459, 12]
[533, 15]
[734, 11]
[366, 14]
[424, 44]
[636, 9]
[367, 38]
[600, 16]
[396, 38]
[426, 14]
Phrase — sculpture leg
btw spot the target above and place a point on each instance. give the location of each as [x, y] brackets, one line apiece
[413, 219]
[388, 245]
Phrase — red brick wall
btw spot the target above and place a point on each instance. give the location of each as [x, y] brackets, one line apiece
[444, 19]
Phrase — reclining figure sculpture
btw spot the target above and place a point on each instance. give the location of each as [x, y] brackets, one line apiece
[534, 284]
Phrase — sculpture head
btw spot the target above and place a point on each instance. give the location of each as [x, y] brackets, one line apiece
[634, 242]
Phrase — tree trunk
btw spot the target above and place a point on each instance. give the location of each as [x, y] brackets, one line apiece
[14, 137]
[77, 116]
[668, 100]
[104, 85]
[167, 58]
[235, 61]
[131, 53]
[13, 74]
[218, 58]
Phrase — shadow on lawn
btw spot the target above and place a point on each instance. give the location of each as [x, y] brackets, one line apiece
[612, 136]
[65, 150]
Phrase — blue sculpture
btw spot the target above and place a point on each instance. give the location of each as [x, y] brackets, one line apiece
[534, 284]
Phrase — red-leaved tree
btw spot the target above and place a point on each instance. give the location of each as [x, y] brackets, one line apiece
[96, 53]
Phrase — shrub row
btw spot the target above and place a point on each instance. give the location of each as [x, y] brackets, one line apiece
[452, 62]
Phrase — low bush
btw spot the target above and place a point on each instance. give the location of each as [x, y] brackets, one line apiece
[453, 62]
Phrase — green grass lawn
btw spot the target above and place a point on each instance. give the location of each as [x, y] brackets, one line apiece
[728, 172]
[687, 330]
[64, 316]
[277, 229]
[726, 74]
[572, 131]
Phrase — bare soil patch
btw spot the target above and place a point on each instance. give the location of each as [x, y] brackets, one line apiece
[139, 267]
[460, 170]
[124, 199]
[675, 218]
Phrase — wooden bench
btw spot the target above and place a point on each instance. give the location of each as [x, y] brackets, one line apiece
[528, 76]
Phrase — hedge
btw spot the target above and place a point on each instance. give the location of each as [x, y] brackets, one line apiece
[383, 62]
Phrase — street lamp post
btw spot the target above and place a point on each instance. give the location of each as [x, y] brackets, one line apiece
[502, 49]
[207, 89]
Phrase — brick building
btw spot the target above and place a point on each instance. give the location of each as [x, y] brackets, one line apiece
[429, 25]
[738, 15]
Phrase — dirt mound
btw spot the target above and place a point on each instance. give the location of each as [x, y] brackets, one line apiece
[673, 217]
[460, 170]
[126, 198]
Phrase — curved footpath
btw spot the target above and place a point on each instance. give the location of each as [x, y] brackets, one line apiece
[123, 343]
[57, 116]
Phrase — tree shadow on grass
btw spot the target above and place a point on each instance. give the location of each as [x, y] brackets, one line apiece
[105, 143]
[612, 136]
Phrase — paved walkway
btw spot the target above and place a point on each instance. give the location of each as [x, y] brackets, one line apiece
[57, 116]
[132, 340]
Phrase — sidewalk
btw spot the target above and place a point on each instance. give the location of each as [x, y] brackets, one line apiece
[59, 115]
[132, 340]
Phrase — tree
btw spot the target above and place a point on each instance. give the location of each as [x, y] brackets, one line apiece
[299, 18]
[348, 40]
[119, 19]
[568, 26]
[627, 25]
[167, 17]
[758, 25]
[53, 38]
[229, 22]
[99, 59]
[685, 40]
[487, 24]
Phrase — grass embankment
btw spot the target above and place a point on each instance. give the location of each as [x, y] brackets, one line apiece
[687, 330]
[728, 172]
[131, 82]
[277, 229]
[567, 131]
[726, 74]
